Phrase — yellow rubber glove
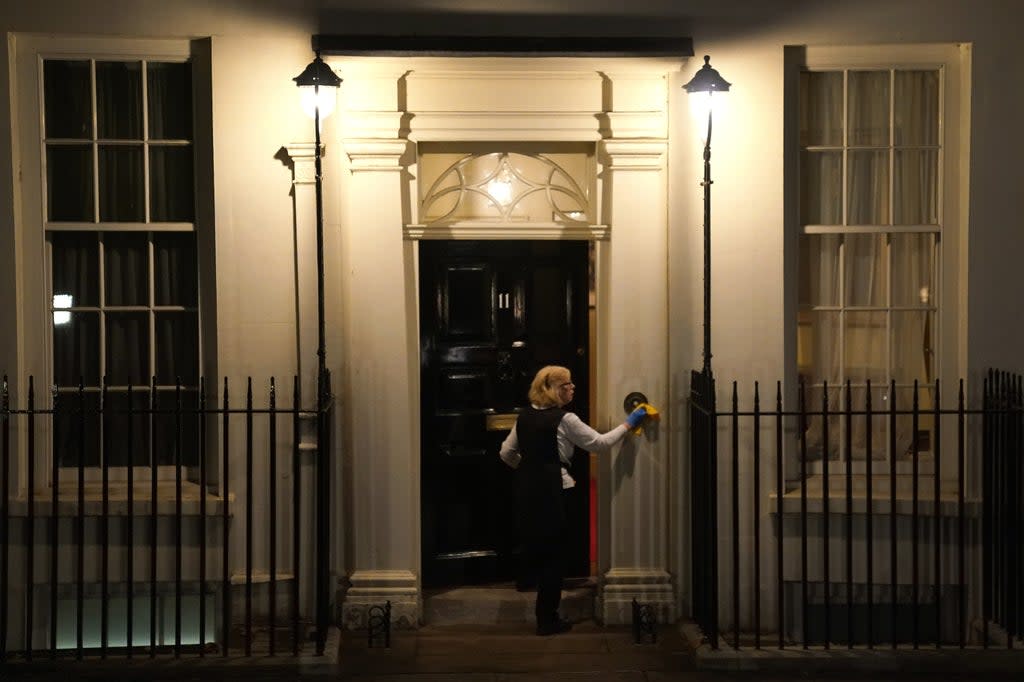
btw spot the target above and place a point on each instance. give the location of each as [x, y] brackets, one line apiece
[652, 413]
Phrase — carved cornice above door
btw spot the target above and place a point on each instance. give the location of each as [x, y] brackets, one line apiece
[618, 106]
[430, 99]
[374, 155]
[635, 124]
[505, 126]
[635, 155]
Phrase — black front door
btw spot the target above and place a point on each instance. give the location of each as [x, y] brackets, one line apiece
[491, 314]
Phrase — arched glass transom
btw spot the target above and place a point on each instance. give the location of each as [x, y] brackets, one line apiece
[506, 187]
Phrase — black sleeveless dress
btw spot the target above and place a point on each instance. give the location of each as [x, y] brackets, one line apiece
[539, 499]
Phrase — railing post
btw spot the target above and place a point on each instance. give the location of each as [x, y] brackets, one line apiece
[296, 515]
[704, 503]
[712, 459]
[5, 512]
[323, 506]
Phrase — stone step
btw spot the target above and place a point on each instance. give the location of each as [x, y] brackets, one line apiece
[503, 604]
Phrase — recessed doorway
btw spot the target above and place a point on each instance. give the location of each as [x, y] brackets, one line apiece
[491, 314]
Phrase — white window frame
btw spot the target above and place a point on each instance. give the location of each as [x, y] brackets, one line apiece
[35, 304]
[953, 62]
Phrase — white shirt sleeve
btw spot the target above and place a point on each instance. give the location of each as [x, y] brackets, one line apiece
[572, 431]
[509, 452]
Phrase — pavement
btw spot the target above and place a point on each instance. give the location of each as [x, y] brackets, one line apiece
[513, 653]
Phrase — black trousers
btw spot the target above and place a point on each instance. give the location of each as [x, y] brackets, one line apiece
[546, 557]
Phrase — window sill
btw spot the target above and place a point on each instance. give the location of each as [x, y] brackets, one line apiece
[881, 498]
[117, 500]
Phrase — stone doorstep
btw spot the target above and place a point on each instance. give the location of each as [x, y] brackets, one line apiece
[493, 605]
[839, 659]
[506, 649]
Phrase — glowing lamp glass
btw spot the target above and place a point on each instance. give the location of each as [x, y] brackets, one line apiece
[310, 99]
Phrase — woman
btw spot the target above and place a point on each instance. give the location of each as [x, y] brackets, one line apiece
[540, 446]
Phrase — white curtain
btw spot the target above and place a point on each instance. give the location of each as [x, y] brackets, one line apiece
[872, 291]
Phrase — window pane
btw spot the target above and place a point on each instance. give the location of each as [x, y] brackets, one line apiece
[177, 428]
[904, 423]
[127, 348]
[119, 100]
[916, 186]
[816, 432]
[75, 264]
[127, 428]
[170, 101]
[821, 108]
[819, 269]
[913, 270]
[174, 256]
[69, 186]
[170, 184]
[868, 193]
[76, 430]
[866, 269]
[916, 115]
[866, 342]
[804, 342]
[121, 197]
[67, 99]
[126, 268]
[819, 347]
[913, 354]
[76, 349]
[821, 186]
[869, 108]
[878, 438]
[177, 348]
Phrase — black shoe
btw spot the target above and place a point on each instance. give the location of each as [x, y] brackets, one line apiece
[554, 628]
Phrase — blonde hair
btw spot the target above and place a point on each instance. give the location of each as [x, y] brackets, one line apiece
[544, 387]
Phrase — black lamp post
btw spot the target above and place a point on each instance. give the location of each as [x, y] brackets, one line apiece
[318, 85]
[318, 75]
[705, 83]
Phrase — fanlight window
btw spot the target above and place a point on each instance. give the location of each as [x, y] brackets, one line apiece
[506, 187]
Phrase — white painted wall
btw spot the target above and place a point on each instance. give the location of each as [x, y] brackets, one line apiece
[257, 47]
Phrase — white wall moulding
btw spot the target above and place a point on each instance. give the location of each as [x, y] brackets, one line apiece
[648, 586]
[637, 103]
[375, 155]
[371, 588]
[542, 91]
[504, 126]
[303, 162]
[635, 124]
[635, 154]
[498, 104]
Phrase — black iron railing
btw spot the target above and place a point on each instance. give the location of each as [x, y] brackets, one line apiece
[119, 558]
[1003, 511]
[862, 518]
[704, 503]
